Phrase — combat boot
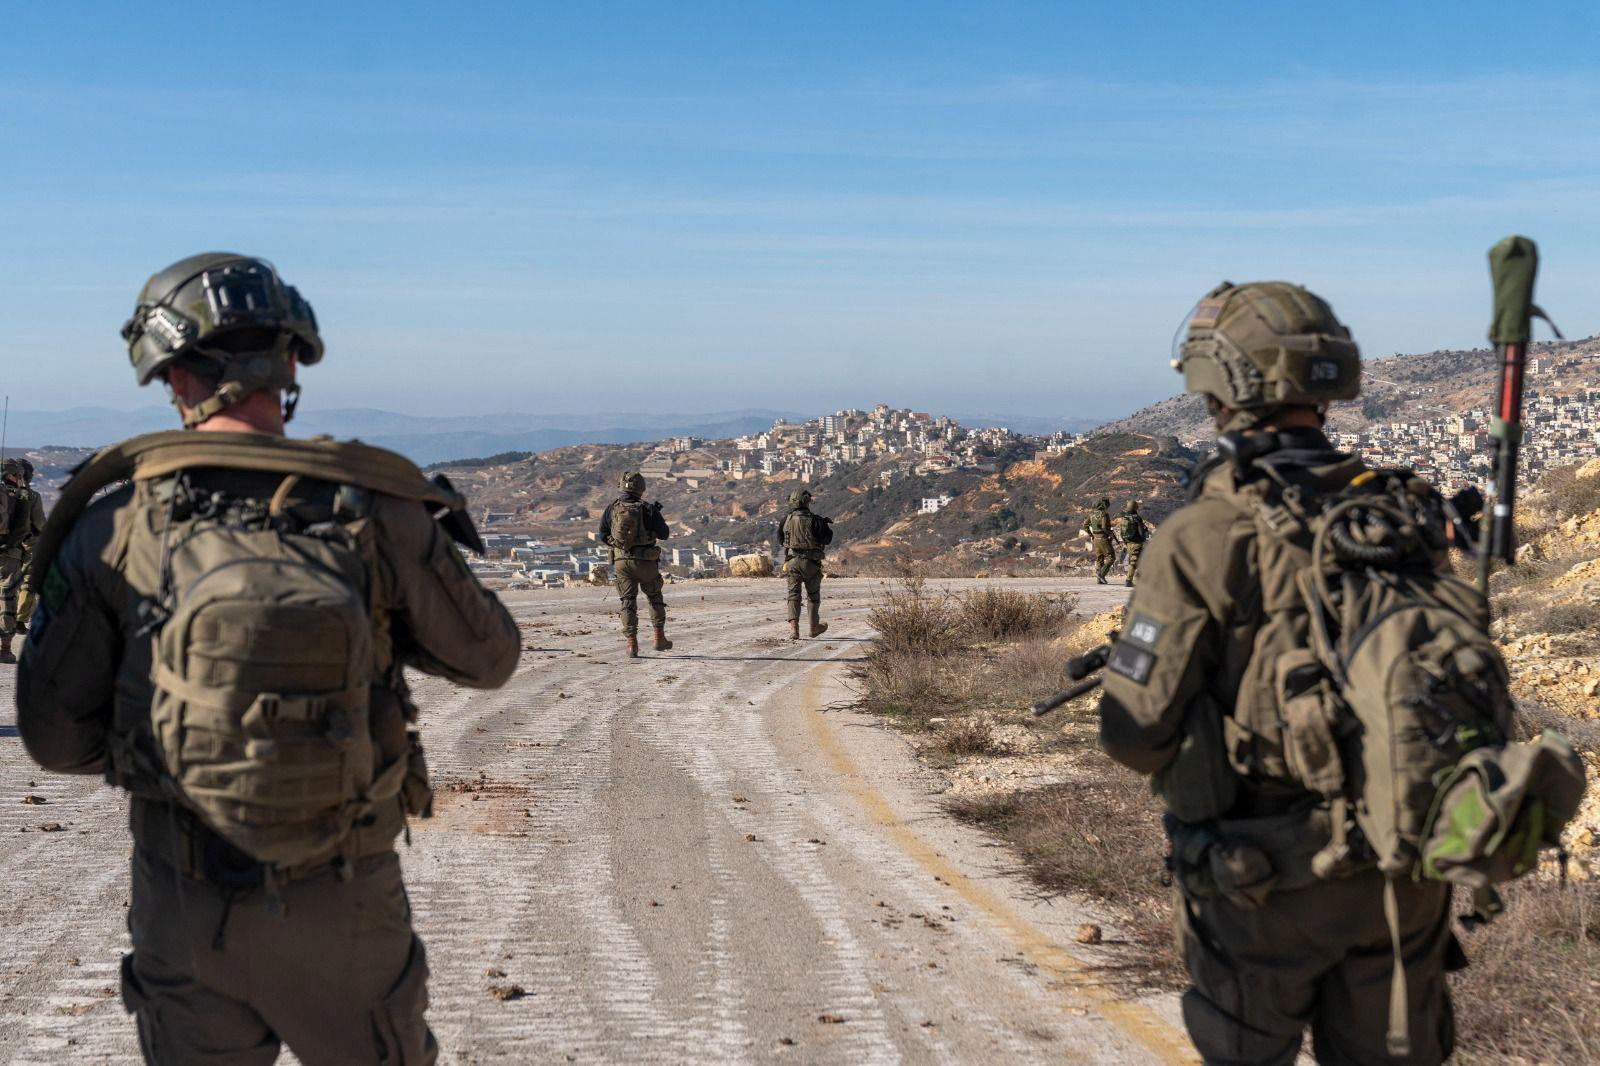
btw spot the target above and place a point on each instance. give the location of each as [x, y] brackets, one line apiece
[1100, 579]
[633, 645]
[6, 655]
[794, 629]
[1129, 582]
[662, 643]
[818, 627]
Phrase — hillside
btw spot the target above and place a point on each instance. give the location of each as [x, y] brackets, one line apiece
[1024, 512]
[1402, 388]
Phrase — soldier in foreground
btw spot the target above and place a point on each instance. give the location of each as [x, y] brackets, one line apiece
[631, 528]
[1275, 938]
[225, 637]
[1098, 528]
[21, 522]
[1133, 531]
[805, 538]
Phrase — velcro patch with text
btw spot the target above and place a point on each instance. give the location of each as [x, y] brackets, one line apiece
[1132, 663]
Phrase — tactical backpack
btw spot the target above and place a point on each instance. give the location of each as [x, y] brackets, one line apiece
[805, 532]
[629, 527]
[1098, 524]
[262, 630]
[1130, 527]
[262, 666]
[1375, 684]
[16, 516]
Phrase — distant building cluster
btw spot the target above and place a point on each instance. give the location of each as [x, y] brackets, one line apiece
[815, 449]
[1455, 450]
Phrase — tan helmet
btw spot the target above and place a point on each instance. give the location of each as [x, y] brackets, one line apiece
[1264, 345]
[800, 498]
[631, 481]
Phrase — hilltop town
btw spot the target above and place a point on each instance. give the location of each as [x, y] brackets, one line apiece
[910, 485]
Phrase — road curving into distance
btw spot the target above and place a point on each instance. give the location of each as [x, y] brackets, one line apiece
[700, 856]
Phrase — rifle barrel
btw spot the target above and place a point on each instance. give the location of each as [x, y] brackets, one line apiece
[1044, 707]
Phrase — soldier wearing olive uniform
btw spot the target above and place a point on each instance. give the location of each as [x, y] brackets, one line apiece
[1133, 531]
[235, 954]
[805, 538]
[1098, 527]
[21, 522]
[1273, 946]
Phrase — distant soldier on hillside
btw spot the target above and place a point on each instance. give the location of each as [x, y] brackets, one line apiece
[1133, 531]
[631, 528]
[1098, 528]
[805, 537]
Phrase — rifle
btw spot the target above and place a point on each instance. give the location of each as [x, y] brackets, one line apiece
[1078, 669]
[1513, 265]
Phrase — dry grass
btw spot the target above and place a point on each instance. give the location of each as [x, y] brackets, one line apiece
[967, 735]
[1001, 614]
[911, 621]
[1102, 840]
[1532, 993]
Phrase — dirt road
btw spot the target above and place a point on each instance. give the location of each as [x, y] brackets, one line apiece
[699, 856]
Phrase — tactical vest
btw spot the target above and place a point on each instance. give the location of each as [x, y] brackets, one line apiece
[1098, 524]
[16, 516]
[800, 534]
[1130, 527]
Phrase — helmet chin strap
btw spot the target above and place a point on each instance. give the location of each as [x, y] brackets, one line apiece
[243, 375]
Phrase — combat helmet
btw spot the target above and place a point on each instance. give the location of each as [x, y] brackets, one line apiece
[1264, 345]
[1131, 508]
[229, 318]
[631, 481]
[14, 468]
[1102, 503]
[800, 498]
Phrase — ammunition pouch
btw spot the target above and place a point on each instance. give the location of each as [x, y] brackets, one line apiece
[1247, 860]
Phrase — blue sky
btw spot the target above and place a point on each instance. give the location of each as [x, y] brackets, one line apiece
[1002, 207]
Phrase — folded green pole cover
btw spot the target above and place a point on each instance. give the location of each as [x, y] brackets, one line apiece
[1512, 265]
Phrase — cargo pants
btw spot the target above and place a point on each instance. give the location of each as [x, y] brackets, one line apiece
[1317, 957]
[1105, 557]
[11, 572]
[803, 573]
[1134, 549]
[332, 969]
[633, 576]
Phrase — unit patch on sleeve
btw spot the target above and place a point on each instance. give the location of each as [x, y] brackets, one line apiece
[1132, 663]
[1143, 632]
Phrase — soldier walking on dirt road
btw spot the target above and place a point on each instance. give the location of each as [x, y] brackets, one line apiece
[805, 538]
[631, 528]
[1098, 528]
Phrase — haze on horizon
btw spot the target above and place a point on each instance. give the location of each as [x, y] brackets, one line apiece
[1003, 208]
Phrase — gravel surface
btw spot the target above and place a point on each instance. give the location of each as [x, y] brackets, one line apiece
[697, 856]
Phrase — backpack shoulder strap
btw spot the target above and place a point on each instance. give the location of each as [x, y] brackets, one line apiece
[156, 455]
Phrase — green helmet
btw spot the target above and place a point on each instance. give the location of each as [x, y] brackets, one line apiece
[800, 498]
[1264, 345]
[13, 468]
[1102, 503]
[1131, 508]
[229, 318]
[631, 481]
